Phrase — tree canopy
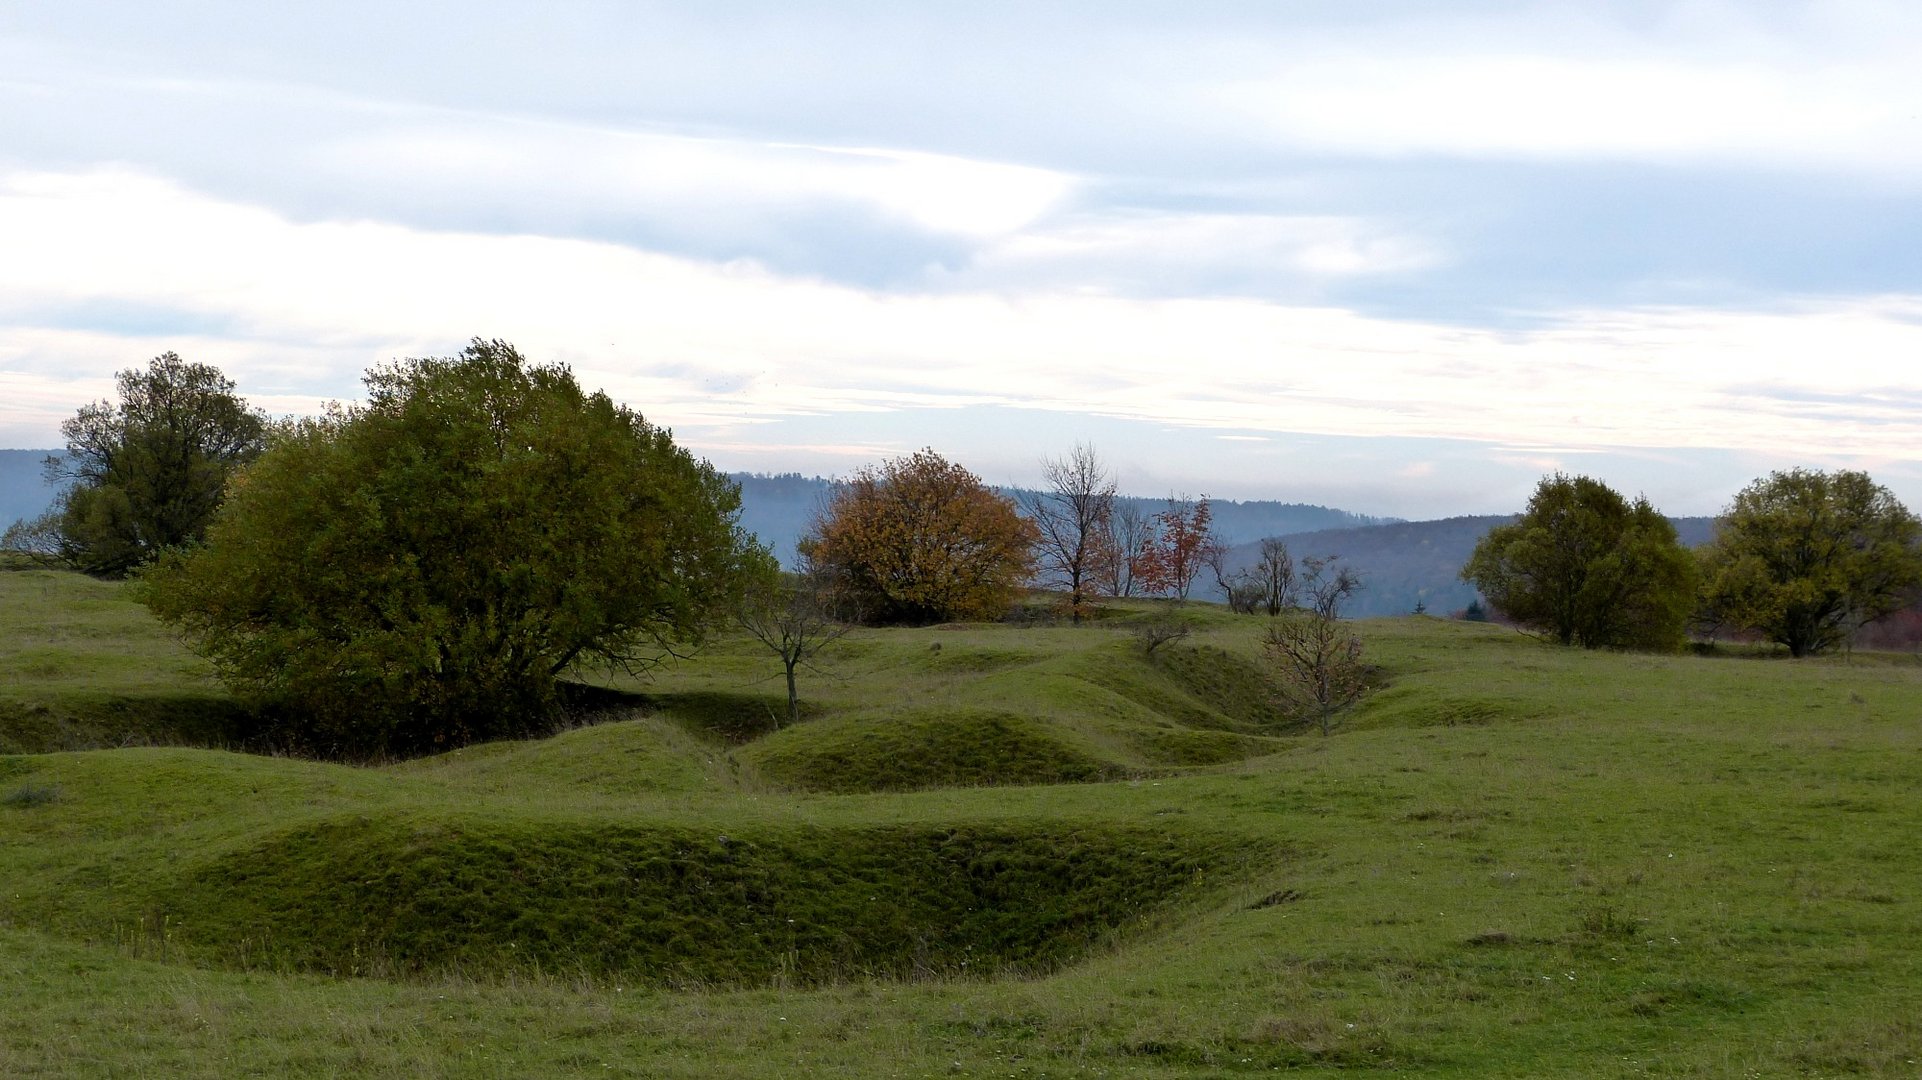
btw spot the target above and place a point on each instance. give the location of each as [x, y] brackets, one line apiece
[145, 473]
[1806, 557]
[1176, 549]
[923, 540]
[416, 573]
[1588, 567]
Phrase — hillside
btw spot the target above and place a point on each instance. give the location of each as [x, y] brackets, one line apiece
[781, 508]
[988, 850]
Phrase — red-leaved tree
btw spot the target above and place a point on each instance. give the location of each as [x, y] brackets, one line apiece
[1170, 560]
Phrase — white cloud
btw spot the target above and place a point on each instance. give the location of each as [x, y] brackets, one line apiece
[301, 309]
[649, 174]
[1833, 91]
[1099, 248]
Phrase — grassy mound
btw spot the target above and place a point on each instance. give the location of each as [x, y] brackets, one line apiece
[388, 895]
[925, 748]
[1225, 684]
[640, 755]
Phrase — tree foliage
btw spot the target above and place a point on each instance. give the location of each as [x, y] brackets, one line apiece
[1176, 548]
[1072, 519]
[1807, 557]
[146, 472]
[1318, 665]
[1126, 537]
[923, 540]
[417, 572]
[1587, 567]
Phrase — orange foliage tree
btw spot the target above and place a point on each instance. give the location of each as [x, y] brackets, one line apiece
[1169, 562]
[923, 540]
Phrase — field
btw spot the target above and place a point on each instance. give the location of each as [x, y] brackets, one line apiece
[1025, 851]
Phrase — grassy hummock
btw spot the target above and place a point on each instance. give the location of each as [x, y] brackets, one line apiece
[413, 894]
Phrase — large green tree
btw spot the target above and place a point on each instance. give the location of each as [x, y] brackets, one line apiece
[417, 572]
[1805, 557]
[1587, 567]
[145, 472]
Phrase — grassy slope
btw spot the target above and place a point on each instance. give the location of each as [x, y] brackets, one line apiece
[80, 667]
[1515, 861]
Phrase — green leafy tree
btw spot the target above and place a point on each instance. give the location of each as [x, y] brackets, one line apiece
[144, 473]
[1806, 557]
[417, 572]
[1587, 567]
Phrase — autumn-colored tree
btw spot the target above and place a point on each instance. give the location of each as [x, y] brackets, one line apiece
[1168, 564]
[923, 540]
[1126, 536]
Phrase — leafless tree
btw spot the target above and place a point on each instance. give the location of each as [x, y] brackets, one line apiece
[1073, 515]
[1128, 534]
[796, 616]
[1274, 575]
[1318, 665]
[1241, 588]
[1162, 628]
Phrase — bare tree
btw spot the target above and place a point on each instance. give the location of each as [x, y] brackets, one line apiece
[796, 616]
[1073, 517]
[1318, 663]
[1241, 588]
[1163, 628]
[1274, 574]
[1127, 537]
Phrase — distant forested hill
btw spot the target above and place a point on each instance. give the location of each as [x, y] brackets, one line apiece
[1406, 562]
[24, 492]
[780, 508]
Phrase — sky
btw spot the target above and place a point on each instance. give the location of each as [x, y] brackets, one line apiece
[1401, 258]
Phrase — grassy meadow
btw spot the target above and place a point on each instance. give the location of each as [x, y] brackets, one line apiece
[1027, 851]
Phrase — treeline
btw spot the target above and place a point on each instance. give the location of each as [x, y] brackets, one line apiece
[1803, 558]
[421, 571]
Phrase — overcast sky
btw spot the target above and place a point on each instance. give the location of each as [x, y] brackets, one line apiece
[1400, 258]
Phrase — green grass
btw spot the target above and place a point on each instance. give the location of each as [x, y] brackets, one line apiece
[82, 666]
[1512, 860]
